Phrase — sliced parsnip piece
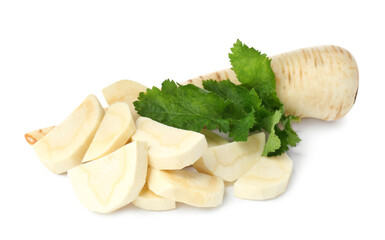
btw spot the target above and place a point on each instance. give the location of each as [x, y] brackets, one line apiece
[34, 136]
[212, 140]
[111, 182]
[230, 161]
[267, 179]
[64, 146]
[169, 147]
[114, 131]
[193, 188]
[124, 91]
[150, 201]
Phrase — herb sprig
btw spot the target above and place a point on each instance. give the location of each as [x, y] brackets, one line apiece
[236, 110]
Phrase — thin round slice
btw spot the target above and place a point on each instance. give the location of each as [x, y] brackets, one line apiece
[114, 132]
[267, 179]
[148, 200]
[169, 147]
[193, 188]
[65, 145]
[111, 182]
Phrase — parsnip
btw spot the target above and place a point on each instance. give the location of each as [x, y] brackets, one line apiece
[319, 82]
[150, 201]
[111, 182]
[212, 140]
[124, 91]
[192, 188]
[230, 161]
[114, 132]
[64, 146]
[267, 179]
[169, 147]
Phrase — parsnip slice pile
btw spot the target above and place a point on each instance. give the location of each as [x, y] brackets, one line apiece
[113, 181]
[169, 148]
[149, 171]
[114, 131]
[316, 77]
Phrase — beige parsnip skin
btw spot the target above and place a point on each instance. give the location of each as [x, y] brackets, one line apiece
[318, 82]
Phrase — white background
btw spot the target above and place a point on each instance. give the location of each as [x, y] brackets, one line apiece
[54, 53]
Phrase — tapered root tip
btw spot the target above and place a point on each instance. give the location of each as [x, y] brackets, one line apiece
[31, 140]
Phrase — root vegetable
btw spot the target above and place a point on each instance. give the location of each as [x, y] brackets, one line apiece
[124, 91]
[319, 82]
[267, 179]
[113, 181]
[65, 145]
[169, 147]
[114, 132]
[212, 140]
[230, 161]
[192, 188]
[150, 201]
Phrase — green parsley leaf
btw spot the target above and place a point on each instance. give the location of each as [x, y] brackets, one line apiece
[273, 142]
[240, 96]
[253, 70]
[192, 108]
[287, 135]
[244, 99]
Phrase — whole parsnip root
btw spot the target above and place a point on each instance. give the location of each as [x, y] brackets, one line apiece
[319, 82]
